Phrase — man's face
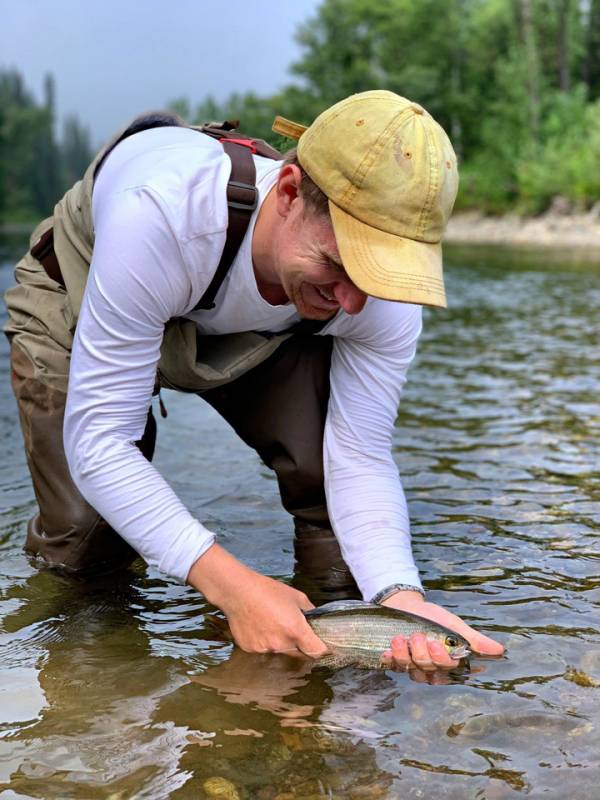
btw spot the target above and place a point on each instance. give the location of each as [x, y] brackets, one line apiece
[307, 263]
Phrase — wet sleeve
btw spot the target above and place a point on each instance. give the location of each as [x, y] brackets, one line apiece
[366, 502]
[137, 282]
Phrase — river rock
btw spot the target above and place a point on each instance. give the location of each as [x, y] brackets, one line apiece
[560, 205]
[220, 788]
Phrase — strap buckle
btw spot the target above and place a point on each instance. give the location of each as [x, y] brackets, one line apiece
[249, 143]
[239, 204]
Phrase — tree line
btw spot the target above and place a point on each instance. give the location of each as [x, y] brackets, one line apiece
[516, 83]
[35, 168]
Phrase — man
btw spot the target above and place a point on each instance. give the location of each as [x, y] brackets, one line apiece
[346, 234]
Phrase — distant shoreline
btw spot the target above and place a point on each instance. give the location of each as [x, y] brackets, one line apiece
[578, 232]
[564, 232]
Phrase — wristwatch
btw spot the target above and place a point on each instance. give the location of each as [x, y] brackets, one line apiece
[396, 587]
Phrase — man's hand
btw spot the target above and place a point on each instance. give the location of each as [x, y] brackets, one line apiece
[427, 655]
[265, 616]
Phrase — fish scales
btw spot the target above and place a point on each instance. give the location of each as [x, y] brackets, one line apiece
[376, 633]
[358, 633]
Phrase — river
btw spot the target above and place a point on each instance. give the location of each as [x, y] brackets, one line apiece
[120, 689]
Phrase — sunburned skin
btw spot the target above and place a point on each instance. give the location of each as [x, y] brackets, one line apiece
[296, 258]
[312, 275]
[319, 301]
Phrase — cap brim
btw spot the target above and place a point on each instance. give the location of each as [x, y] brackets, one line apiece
[388, 266]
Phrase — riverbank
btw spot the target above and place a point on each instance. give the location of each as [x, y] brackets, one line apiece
[558, 228]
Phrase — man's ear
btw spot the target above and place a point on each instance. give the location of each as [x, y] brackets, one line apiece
[288, 188]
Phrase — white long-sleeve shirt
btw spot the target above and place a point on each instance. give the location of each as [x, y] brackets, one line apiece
[160, 219]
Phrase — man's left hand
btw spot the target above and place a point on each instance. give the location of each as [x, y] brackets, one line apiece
[428, 655]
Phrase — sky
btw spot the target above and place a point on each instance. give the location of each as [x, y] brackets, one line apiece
[113, 59]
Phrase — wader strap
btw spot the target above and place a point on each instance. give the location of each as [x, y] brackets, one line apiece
[242, 194]
[243, 173]
[242, 200]
[43, 251]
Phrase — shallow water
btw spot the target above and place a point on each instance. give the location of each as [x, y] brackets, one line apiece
[118, 689]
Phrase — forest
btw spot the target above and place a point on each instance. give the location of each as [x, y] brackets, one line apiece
[516, 84]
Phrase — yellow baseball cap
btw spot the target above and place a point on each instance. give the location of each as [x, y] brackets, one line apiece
[390, 175]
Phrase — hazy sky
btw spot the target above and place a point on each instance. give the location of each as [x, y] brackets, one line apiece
[114, 58]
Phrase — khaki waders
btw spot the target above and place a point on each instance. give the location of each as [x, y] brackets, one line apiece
[273, 391]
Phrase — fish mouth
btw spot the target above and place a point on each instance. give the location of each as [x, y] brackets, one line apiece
[461, 652]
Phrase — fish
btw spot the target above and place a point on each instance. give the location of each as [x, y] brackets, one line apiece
[357, 632]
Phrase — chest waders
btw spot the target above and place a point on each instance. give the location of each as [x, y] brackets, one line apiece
[272, 389]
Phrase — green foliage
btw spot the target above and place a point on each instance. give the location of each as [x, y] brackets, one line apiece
[514, 82]
[567, 164]
[343, 46]
[76, 151]
[484, 186]
[181, 107]
[22, 124]
[504, 77]
[34, 169]
[254, 113]
[591, 58]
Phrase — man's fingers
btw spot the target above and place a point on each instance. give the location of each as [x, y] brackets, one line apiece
[314, 652]
[293, 652]
[484, 645]
[440, 656]
[311, 645]
[303, 601]
[419, 651]
[479, 642]
[411, 654]
[400, 653]
[430, 655]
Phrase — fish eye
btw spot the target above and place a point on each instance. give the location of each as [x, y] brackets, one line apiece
[451, 641]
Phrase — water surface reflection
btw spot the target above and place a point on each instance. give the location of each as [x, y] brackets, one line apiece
[119, 689]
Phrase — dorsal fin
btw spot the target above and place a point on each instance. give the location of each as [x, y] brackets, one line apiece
[340, 605]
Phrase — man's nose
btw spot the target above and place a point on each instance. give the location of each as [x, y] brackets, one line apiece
[350, 297]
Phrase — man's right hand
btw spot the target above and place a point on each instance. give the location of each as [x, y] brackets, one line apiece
[265, 616]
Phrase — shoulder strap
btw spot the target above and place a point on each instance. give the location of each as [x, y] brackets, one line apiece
[242, 195]
[242, 199]
[228, 131]
[243, 177]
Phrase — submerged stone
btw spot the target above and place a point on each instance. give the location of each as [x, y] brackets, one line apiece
[220, 788]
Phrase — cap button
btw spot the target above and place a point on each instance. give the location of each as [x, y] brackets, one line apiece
[417, 108]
